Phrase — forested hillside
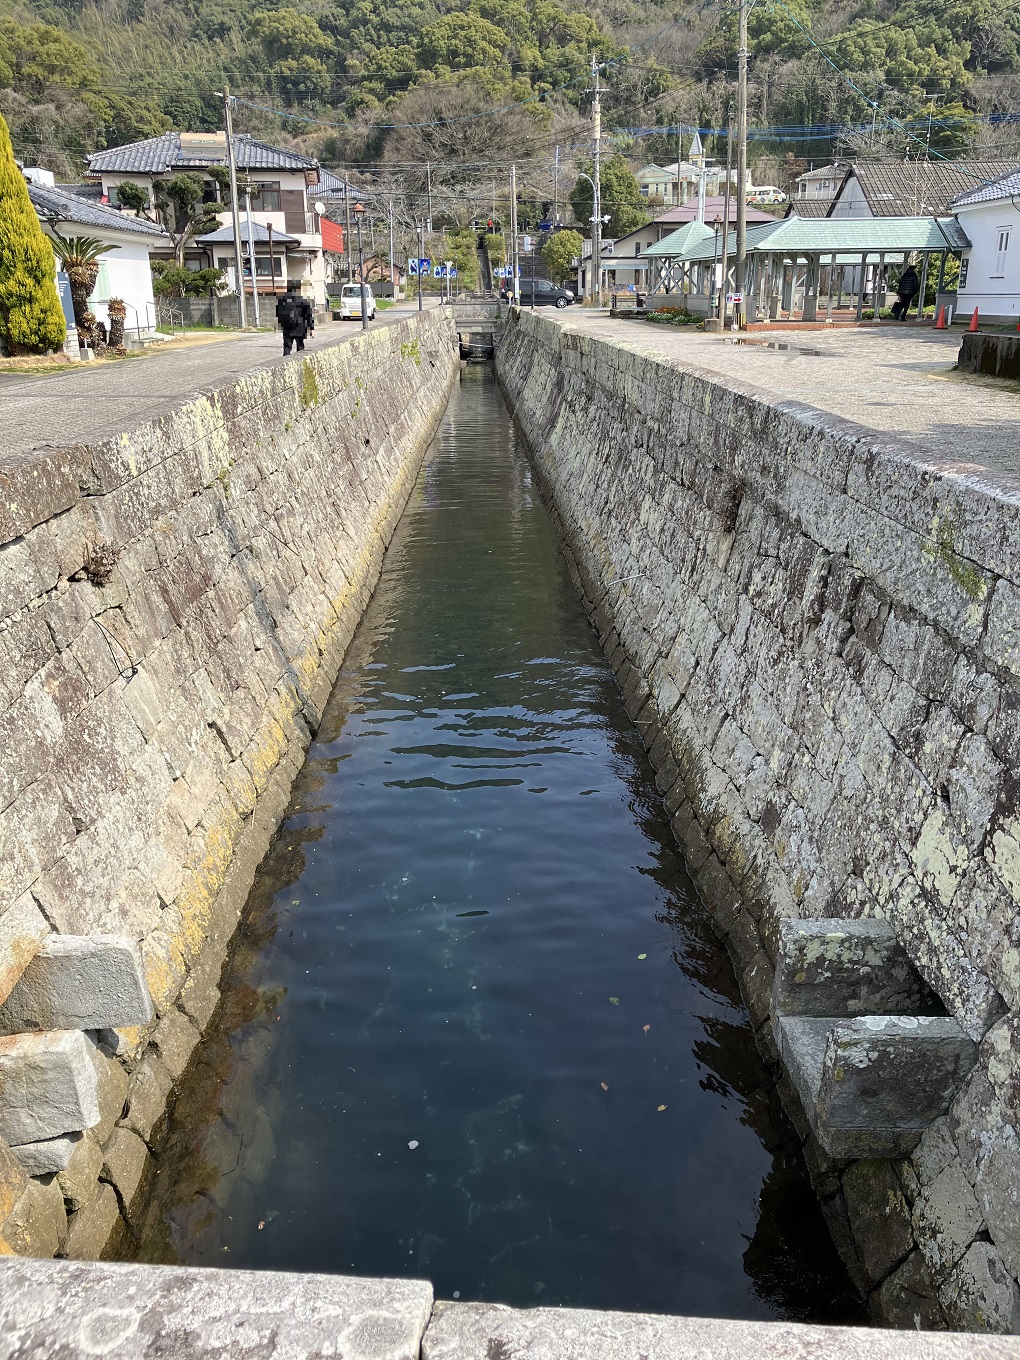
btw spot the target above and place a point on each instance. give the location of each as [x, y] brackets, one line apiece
[75, 76]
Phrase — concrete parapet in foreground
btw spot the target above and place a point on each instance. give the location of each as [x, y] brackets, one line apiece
[77, 1310]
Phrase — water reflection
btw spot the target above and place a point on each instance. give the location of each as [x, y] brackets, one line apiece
[475, 1025]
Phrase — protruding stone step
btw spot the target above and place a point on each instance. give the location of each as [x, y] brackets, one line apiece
[47, 1086]
[79, 982]
[842, 967]
[871, 1086]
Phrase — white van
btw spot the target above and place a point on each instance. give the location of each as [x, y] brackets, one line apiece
[350, 302]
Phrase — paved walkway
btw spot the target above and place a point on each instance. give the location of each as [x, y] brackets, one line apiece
[899, 382]
[75, 405]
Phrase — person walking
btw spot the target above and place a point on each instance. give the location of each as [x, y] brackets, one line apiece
[906, 290]
[294, 317]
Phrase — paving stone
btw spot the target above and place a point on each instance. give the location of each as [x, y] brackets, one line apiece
[946, 1219]
[52, 1154]
[147, 1097]
[91, 1227]
[908, 1298]
[37, 1224]
[79, 1181]
[79, 982]
[13, 1179]
[111, 1091]
[980, 1295]
[879, 1217]
[174, 1041]
[82, 1309]
[22, 930]
[125, 1159]
[998, 1193]
[491, 1331]
[47, 1086]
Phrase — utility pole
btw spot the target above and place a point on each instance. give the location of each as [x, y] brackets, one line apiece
[679, 154]
[726, 225]
[251, 250]
[556, 188]
[596, 238]
[393, 281]
[428, 190]
[740, 262]
[347, 229]
[513, 235]
[234, 211]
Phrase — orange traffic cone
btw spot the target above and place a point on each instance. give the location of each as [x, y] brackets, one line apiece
[973, 321]
[940, 320]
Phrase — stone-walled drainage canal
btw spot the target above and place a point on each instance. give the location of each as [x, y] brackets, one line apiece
[475, 1027]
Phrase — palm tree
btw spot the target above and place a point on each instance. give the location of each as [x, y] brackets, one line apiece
[79, 256]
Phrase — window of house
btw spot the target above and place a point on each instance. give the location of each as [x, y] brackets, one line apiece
[265, 196]
[801, 189]
[1001, 247]
[644, 188]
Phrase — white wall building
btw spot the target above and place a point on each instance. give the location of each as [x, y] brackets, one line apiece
[278, 182]
[990, 269]
[124, 270]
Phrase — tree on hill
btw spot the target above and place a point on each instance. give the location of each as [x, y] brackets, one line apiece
[31, 318]
[559, 250]
[622, 202]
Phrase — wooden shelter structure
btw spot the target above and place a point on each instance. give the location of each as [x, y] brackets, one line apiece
[807, 269]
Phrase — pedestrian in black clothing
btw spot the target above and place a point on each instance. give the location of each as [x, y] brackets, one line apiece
[295, 318]
[906, 290]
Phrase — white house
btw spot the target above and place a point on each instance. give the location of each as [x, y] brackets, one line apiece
[910, 188]
[990, 269]
[275, 183]
[124, 270]
[820, 184]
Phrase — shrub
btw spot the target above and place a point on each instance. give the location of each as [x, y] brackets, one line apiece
[674, 316]
[31, 318]
[174, 280]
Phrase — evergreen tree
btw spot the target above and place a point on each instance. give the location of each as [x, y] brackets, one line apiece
[31, 319]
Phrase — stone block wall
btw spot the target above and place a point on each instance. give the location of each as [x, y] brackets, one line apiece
[174, 606]
[818, 631]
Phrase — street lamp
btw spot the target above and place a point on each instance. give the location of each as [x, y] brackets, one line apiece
[359, 213]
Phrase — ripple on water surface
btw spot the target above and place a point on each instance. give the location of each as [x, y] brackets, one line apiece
[475, 1026]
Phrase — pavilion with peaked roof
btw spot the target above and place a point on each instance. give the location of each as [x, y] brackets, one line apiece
[790, 262]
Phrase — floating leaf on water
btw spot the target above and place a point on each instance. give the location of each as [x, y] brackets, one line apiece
[413, 1144]
[661, 1108]
[604, 1086]
[642, 956]
[646, 1028]
[614, 1000]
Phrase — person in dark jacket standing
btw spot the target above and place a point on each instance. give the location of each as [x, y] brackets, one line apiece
[295, 318]
[906, 290]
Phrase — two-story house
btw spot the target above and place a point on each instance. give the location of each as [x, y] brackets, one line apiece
[273, 194]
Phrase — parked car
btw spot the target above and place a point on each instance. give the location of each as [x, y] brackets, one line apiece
[350, 302]
[766, 193]
[544, 293]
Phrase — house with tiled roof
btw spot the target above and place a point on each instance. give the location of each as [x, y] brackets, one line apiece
[124, 268]
[277, 189]
[910, 188]
[990, 267]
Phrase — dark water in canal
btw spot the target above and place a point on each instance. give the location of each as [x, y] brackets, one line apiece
[475, 1027]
